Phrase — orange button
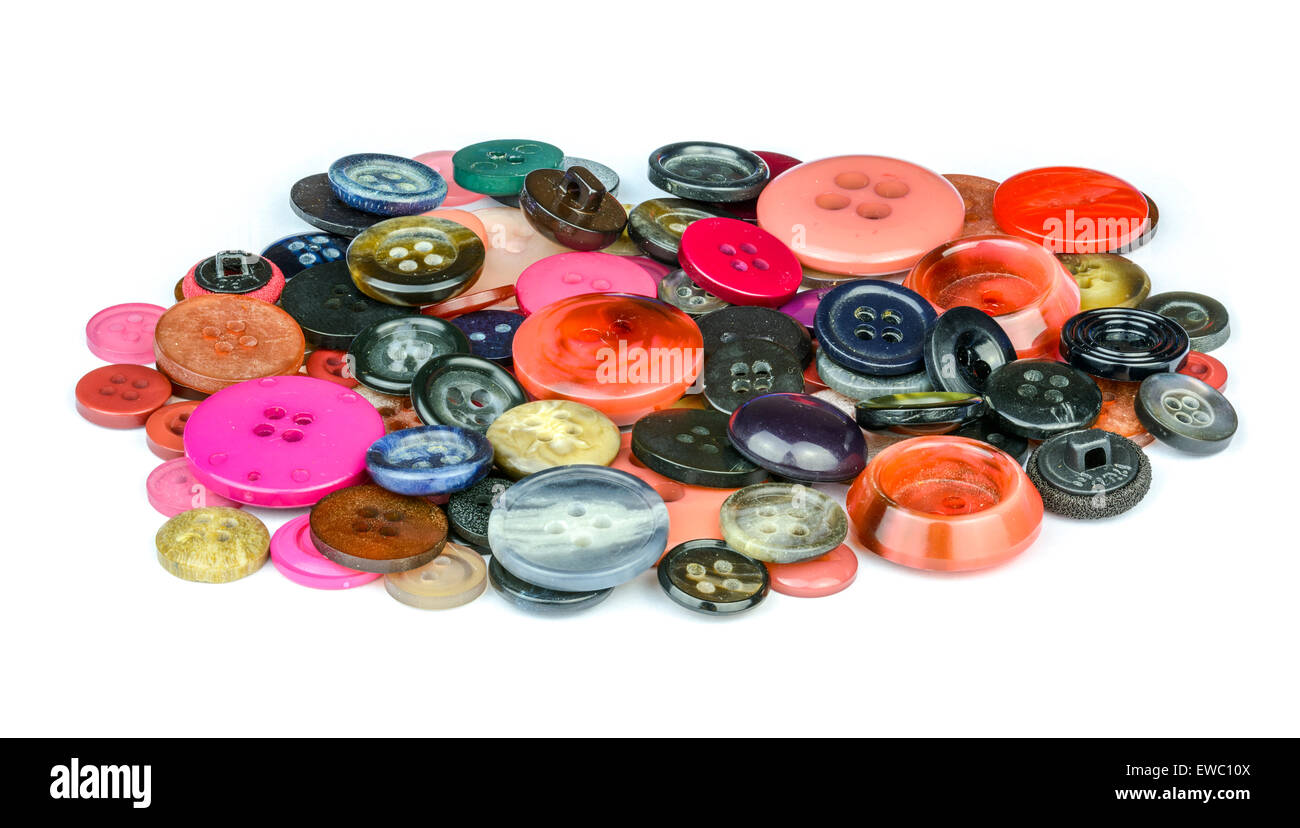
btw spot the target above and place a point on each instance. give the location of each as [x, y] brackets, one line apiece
[209, 342]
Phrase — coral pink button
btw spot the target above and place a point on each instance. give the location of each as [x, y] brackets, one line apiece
[826, 575]
[124, 333]
[237, 267]
[172, 489]
[281, 441]
[572, 274]
[739, 263]
[296, 556]
[440, 162]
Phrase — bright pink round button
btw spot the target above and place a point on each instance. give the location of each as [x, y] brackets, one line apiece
[825, 575]
[172, 489]
[440, 162]
[124, 333]
[739, 262]
[296, 556]
[573, 274]
[281, 441]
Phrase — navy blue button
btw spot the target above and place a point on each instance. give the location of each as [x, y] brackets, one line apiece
[874, 327]
[294, 254]
[387, 185]
[490, 332]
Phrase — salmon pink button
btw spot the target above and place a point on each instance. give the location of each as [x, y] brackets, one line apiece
[172, 489]
[440, 162]
[739, 263]
[826, 575]
[281, 441]
[296, 556]
[572, 274]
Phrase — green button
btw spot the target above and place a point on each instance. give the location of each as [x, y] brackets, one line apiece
[498, 168]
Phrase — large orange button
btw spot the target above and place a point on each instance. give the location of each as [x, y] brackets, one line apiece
[209, 342]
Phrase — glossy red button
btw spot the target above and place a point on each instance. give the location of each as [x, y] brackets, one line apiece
[470, 302]
[121, 396]
[739, 263]
[1207, 369]
[331, 366]
[1071, 209]
[826, 575]
[165, 428]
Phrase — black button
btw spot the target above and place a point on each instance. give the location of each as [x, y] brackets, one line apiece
[325, 302]
[1185, 413]
[932, 408]
[749, 368]
[463, 390]
[468, 510]
[1090, 474]
[1203, 317]
[1036, 398]
[707, 171]
[749, 322]
[313, 201]
[708, 576]
[963, 348]
[386, 356]
[1124, 344]
[534, 598]
[692, 447]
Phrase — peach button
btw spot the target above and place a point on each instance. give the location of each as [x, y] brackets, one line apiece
[826, 575]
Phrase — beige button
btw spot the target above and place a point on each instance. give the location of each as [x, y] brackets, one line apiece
[213, 545]
[547, 433]
[512, 245]
[455, 577]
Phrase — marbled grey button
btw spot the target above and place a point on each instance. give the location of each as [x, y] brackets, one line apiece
[533, 598]
[1203, 317]
[710, 577]
[782, 522]
[864, 387]
[680, 291]
[1186, 413]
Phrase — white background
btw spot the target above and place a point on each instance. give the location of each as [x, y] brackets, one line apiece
[142, 138]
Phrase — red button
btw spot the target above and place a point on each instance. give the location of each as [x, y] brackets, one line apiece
[332, 366]
[739, 263]
[1071, 209]
[121, 396]
[165, 428]
[826, 575]
[1207, 369]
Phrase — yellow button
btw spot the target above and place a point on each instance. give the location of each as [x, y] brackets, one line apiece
[547, 433]
[1107, 280]
[213, 545]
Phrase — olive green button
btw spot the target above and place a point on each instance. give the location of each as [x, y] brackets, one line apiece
[212, 545]
[1107, 280]
[499, 167]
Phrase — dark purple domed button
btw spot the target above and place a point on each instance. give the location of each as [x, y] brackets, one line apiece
[799, 437]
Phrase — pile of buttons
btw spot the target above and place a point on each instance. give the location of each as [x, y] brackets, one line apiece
[720, 384]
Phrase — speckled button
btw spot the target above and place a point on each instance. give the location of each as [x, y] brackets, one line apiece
[657, 225]
[386, 356]
[739, 263]
[533, 598]
[295, 556]
[977, 194]
[543, 434]
[234, 271]
[570, 274]
[374, 530]
[469, 509]
[415, 260]
[709, 577]
[874, 327]
[429, 460]
[296, 253]
[457, 576]
[212, 545]
[386, 184]
[121, 396]
[124, 333]
[172, 489]
[464, 391]
[490, 332]
[165, 427]
[440, 162]
[782, 522]
[209, 342]
[707, 171]
[818, 577]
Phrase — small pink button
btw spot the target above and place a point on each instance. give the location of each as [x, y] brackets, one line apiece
[572, 274]
[440, 162]
[825, 575]
[294, 554]
[124, 333]
[173, 489]
[281, 441]
[739, 263]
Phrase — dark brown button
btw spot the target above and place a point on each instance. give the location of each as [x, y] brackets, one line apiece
[374, 530]
[209, 342]
[166, 426]
[572, 207]
[121, 396]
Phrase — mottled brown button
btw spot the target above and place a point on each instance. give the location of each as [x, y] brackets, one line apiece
[213, 545]
[179, 292]
[165, 427]
[121, 396]
[374, 530]
[977, 193]
[457, 576]
[398, 412]
[210, 342]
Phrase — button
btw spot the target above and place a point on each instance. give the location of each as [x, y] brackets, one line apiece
[692, 510]
[415, 260]
[816, 578]
[1107, 280]
[1071, 209]
[212, 545]
[468, 510]
[124, 333]
[440, 162]
[1123, 343]
[977, 195]
[1207, 369]
[490, 332]
[172, 489]
[748, 368]
[739, 263]
[1025, 288]
[1118, 414]
[803, 307]
[874, 327]
[692, 447]
[164, 428]
[798, 437]
[386, 184]
[374, 530]
[680, 291]
[281, 441]
[234, 271]
[1036, 398]
[330, 309]
[513, 245]
[962, 348]
[657, 270]
[465, 219]
[457, 576]
[294, 554]
[747, 210]
[710, 577]
[464, 391]
[499, 167]
[296, 253]
[546, 433]
[1090, 474]
[577, 528]
[747, 322]
[470, 302]
[209, 342]
[178, 292]
[331, 366]
[572, 207]
[397, 412]
[865, 386]
[706, 171]
[932, 408]
[533, 598]
[861, 214]
[571, 274]
[657, 225]
[782, 522]
[624, 355]
[121, 396]
[313, 201]
[386, 355]
[945, 504]
[1186, 413]
[988, 430]
[1203, 317]
[1153, 221]
[429, 460]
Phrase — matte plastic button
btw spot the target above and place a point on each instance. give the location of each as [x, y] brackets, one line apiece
[533, 598]
[657, 225]
[499, 167]
[543, 434]
[865, 386]
[1037, 399]
[386, 356]
[440, 162]
[572, 208]
[329, 308]
[1123, 343]
[121, 396]
[210, 342]
[1186, 413]
[457, 576]
[748, 368]
[464, 391]
[680, 290]
[386, 184]
[164, 428]
[331, 366]
[935, 408]
[429, 460]
[741, 322]
[816, 578]
[491, 333]
[469, 509]
[692, 447]
[296, 253]
[571, 274]
[212, 545]
[415, 260]
[1204, 318]
[124, 333]
[295, 555]
[977, 194]
[313, 201]
[172, 489]
[1207, 369]
[739, 263]
[1107, 280]
[234, 271]
[374, 530]
[874, 327]
[1090, 474]
[1071, 209]
[782, 522]
[710, 577]
[962, 348]
[798, 437]
[707, 171]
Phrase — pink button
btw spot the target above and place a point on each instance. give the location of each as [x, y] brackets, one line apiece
[739, 263]
[173, 489]
[269, 292]
[657, 270]
[124, 333]
[281, 441]
[440, 162]
[294, 554]
[572, 274]
[826, 575]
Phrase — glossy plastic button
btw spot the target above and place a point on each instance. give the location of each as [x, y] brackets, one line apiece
[657, 225]
[739, 263]
[371, 529]
[210, 342]
[1107, 280]
[988, 430]
[748, 368]
[386, 356]
[172, 489]
[861, 214]
[782, 522]
[680, 290]
[1124, 344]
[857, 386]
[1090, 474]
[212, 545]
[533, 598]
[386, 184]
[471, 303]
[491, 333]
[578, 528]
[692, 447]
[692, 510]
[295, 555]
[707, 172]
[296, 253]
[331, 366]
[747, 210]
[165, 427]
[798, 437]
[710, 577]
[543, 434]
[313, 201]
[977, 194]
[1118, 414]
[234, 271]
[1071, 209]
[1037, 399]
[1204, 318]
[429, 460]
[397, 412]
[572, 207]
[818, 577]
[741, 322]
[803, 307]
[440, 162]
[513, 245]
[874, 327]
[469, 509]
[281, 441]
[329, 308]
[464, 391]
[415, 260]
[1207, 369]
[121, 396]
[1186, 413]
[571, 274]
[927, 410]
[124, 333]
[962, 348]
[499, 167]
[457, 576]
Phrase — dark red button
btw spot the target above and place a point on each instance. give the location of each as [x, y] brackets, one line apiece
[121, 396]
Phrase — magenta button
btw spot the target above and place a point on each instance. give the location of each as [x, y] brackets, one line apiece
[572, 274]
[739, 262]
[803, 307]
[294, 554]
[124, 333]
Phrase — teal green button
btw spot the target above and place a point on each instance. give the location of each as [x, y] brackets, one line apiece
[498, 168]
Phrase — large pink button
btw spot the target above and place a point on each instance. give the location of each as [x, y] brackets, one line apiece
[739, 263]
[296, 556]
[572, 274]
[124, 333]
[281, 441]
[825, 575]
[440, 162]
[172, 489]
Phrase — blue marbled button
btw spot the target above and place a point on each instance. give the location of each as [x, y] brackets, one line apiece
[386, 185]
[429, 460]
[490, 332]
[294, 254]
[874, 327]
[799, 437]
